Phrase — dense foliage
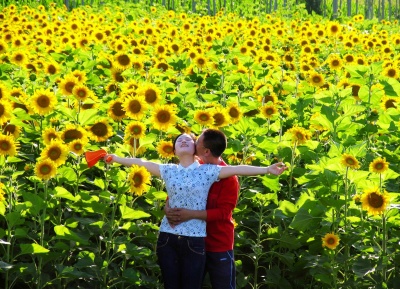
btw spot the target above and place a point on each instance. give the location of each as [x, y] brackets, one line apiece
[320, 95]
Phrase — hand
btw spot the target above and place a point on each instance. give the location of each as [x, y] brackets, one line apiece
[277, 169]
[109, 158]
[175, 216]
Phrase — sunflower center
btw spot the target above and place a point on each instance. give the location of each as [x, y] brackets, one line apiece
[81, 93]
[54, 153]
[73, 134]
[317, 79]
[5, 145]
[77, 146]
[99, 129]
[379, 166]
[19, 57]
[204, 117]
[135, 106]
[136, 130]
[51, 69]
[168, 149]
[150, 96]
[163, 116]
[335, 62]
[124, 60]
[45, 169]
[269, 111]
[375, 200]
[390, 103]
[69, 86]
[1, 109]
[331, 241]
[391, 73]
[234, 113]
[137, 179]
[117, 109]
[43, 101]
[218, 119]
[299, 136]
[350, 161]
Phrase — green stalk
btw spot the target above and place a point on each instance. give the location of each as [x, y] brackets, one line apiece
[291, 169]
[346, 205]
[42, 220]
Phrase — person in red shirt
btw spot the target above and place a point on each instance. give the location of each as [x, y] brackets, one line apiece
[222, 199]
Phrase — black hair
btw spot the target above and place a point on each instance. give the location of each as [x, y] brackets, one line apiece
[215, 141]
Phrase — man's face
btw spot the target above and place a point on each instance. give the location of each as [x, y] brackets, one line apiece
[200, 149]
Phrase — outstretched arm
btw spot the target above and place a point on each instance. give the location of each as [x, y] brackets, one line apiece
[152, 167]
[243, 170]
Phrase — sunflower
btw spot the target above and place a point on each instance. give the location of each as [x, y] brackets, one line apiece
[52, 68]
[50, 134]
[77, 146]
[80, 75]
[163, 117]
[101, 130]
[389, 102]
[19, 58]
[349, 58]
[8, 146]
[299, 134]
[72, 132]
[122, 61]
[3, 47]
[350, 161]
[374, 201]
[115, 110]
[135, 129]
[334, 62]
[5, 111]
[391, 72]
[203, 117]
[220, 117]
[316, 79]
[45, 169]
[81, 92]
[269, 110]
[135, 106]
[43, 101]
[234, 112]
[334, 28]
[330, 240]
[151, 93]
[67, 84]
[200, 61]
[139, 179]
[12, 130]
[116, 75]
[379, 165]
[165, 149]
[56, 151]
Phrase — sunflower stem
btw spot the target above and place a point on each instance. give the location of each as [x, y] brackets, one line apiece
[291, 169]
[42, 221]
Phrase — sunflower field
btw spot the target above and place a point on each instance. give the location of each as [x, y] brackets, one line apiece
[320, 95]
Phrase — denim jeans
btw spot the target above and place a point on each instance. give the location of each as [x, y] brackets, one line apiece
[221, 268]
[182, 260]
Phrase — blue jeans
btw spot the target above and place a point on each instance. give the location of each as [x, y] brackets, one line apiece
[221, 268]
[182, 260]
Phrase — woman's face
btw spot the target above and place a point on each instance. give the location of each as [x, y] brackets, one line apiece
[185, 144]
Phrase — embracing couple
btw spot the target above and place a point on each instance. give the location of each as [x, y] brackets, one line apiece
[198, 193]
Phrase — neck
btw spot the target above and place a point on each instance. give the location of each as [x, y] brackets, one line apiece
[186, 160]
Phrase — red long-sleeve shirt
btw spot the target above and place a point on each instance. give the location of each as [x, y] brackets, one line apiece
[221, 201]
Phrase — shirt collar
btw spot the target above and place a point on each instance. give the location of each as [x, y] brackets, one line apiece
[194, 165]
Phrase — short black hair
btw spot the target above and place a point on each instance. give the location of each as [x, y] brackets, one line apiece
[215, 141]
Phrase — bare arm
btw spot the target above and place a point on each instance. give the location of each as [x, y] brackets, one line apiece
[244, 170]
[152, 167]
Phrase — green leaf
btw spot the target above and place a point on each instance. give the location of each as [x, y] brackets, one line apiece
[61, 192]
[13, 219]
[33, 202]
[101, 183]
[65, 233]
[5, 266]
[67, 173]
[86, 116]
[129, 213]
[288, 208]
[308, 217]
[271, 182]
[32, 249]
